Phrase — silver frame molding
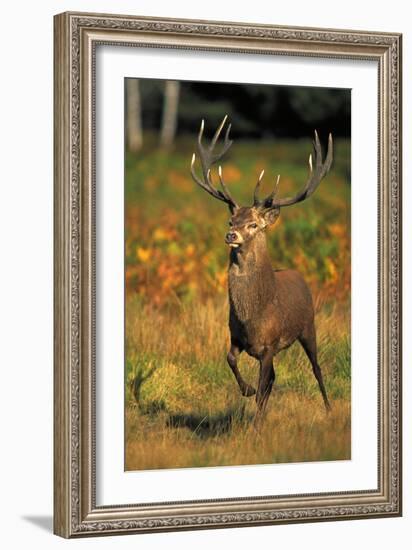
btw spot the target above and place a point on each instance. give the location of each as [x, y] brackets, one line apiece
[76, 36]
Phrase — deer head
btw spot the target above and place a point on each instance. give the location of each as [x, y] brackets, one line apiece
[248, 221]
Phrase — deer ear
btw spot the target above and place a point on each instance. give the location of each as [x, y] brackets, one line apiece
[271, 215]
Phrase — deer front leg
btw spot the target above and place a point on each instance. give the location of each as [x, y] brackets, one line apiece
[232, 358]
[266, 379]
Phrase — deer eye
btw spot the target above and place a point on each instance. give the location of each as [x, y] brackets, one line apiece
[253, 225]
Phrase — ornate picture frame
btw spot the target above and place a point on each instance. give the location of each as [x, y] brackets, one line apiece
[76, 37]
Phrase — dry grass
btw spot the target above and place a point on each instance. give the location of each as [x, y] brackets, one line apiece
[183, 406]
[296, 430]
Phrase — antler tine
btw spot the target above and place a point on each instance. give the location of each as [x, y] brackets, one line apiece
[329, 154]
[274, 192]
[318, 150]
[315, 175]
[202, 151]
[217, 133]
[256, 200]
[225, 191]
[200, 135]
[268, 200]
[226, 145]
[203, 185]
[321, 168]
[207, 158]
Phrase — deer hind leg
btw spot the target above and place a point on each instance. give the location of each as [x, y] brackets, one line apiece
[308, 341]
[266, 379]
[232, 358]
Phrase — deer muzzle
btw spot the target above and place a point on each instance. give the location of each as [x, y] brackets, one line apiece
[233, 239]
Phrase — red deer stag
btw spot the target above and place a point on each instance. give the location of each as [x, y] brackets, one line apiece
[269, 309]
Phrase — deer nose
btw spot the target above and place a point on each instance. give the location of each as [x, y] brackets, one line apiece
[230, 237]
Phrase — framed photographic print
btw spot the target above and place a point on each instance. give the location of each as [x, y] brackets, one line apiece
[227, 274]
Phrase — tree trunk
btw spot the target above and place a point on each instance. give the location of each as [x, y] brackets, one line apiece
[134, 115]
[170, 110]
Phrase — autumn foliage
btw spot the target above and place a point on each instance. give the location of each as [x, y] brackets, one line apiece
[175, 247]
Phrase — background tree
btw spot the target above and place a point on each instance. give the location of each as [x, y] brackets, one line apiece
[134, 116]
[170, 111]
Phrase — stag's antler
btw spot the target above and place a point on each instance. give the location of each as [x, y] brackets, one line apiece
[209, 157]
[315, 177]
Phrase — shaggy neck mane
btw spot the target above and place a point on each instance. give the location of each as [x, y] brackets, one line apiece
[251, 278]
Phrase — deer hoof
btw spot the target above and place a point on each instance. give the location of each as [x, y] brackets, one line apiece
[248, 391]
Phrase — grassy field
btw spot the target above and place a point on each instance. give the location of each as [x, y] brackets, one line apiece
[183, 407]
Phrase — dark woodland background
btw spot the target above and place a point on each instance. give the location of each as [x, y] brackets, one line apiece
[260, 111]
